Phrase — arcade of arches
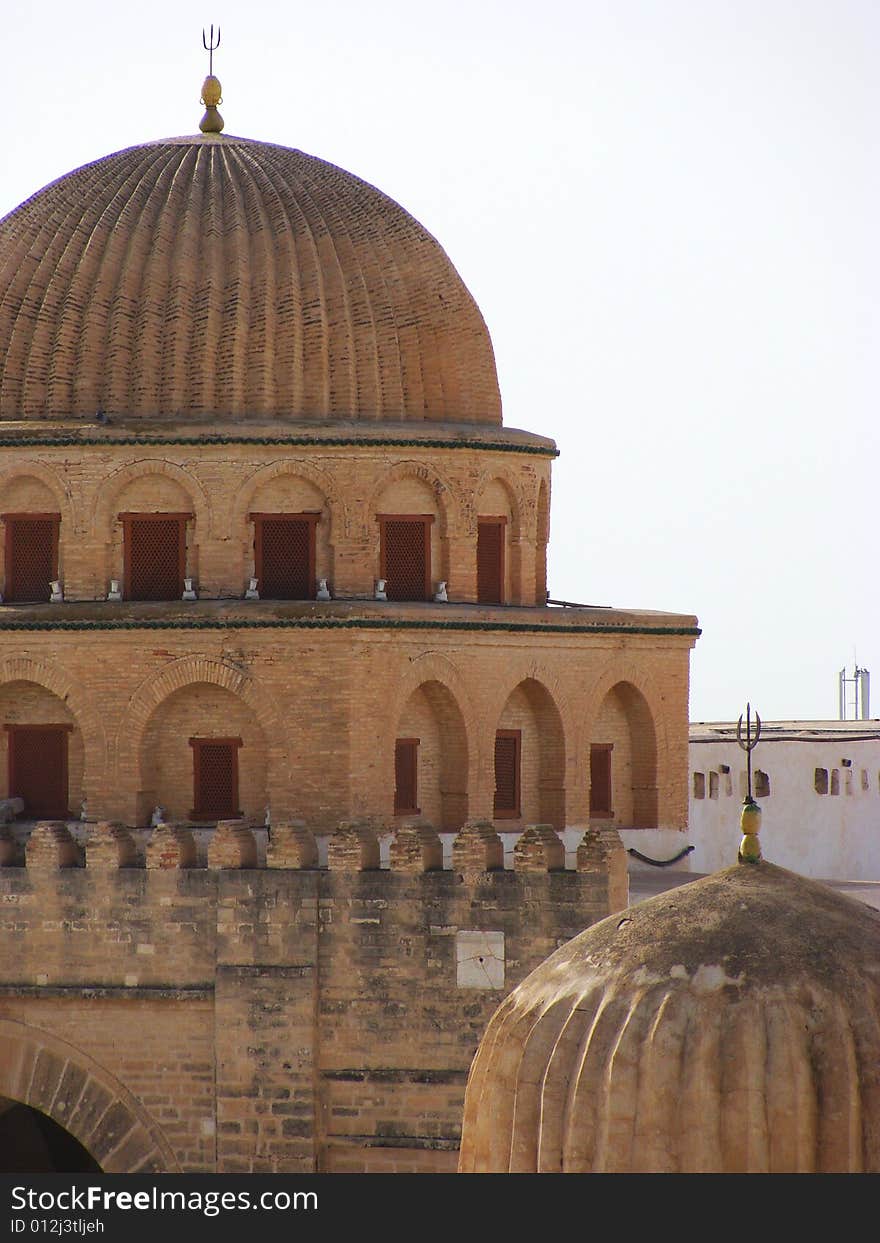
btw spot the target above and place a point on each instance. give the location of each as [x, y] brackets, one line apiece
[208, 739]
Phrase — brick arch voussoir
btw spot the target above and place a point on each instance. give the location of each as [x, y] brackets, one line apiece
[294, 468]
[435, 668]
[47, 1073]
[542, 507]
[549, 683]
[448, 502]
[88, 718]
[629, 674]
[189, 671]
[52, 480]
[105, 503]
[515, 495]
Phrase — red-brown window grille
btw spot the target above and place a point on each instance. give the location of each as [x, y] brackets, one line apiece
[508, 743]
[155, 555]
[31, 555]
[38, 769]
[215, 778]
[405, 555]
[600, 779]
[284, 555]
[490, 560]
[406, 777]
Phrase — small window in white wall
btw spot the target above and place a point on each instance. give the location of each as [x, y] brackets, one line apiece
[713, 785]
[699, 785]
[835, 781]
[820, 780]
[762, 784]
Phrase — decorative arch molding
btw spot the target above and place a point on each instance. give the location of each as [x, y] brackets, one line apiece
[106, 502]
[294, 468]
[432, 667]
[630, 674]
[188, 671]
[546, 680]
[447, 501]
[547, 708]
[49, 1074]
[642, 705]
[435, 668]
[522, 510]
[56, 680]
[27, 468]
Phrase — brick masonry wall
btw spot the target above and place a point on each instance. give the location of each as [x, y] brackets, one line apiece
[318, 712]
[222, 485]
[262, 1020]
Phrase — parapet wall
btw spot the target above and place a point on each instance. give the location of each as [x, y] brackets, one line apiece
[285, 1017]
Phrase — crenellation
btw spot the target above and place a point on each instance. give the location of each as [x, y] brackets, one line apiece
[110, 845]
[539, 849]
[477, 849]
[232, 845]
[51, 845]
[416, 847]
[171, 846]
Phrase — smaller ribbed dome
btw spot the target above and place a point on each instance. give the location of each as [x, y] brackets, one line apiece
[730, 1025]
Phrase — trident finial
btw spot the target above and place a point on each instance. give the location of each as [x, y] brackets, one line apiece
[750, 820]
[750, 743]
[211, 122]
[210, 47]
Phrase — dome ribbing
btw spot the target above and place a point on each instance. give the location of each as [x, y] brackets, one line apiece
[217, 276]
[730, 1025]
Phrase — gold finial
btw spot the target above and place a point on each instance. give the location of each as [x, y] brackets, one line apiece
[750, 823]
[211, 122]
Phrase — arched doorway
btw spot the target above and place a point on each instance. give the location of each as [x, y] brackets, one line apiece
[33, 1143]
[90, 1107]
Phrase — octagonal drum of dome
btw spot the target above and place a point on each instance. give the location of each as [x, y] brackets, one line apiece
[729, 1025]
[217, 276]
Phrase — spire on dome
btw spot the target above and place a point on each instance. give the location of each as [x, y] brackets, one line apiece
[211, 122]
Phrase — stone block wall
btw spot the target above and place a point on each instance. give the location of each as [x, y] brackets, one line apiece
[269, 1019]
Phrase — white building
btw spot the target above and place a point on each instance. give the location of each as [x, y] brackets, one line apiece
[818, 785]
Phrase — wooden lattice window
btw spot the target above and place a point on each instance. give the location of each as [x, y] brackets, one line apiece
[508, 744]
[406, 777]
[600, 779]
[31, 555]
[405, 555]
[38, 769]
[284, 555]
[155, 555]
[215, 778]
[490, 560]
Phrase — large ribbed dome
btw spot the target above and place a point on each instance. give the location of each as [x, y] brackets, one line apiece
[732, 1024]
[216, 276]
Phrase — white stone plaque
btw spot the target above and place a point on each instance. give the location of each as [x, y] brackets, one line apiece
[479, 959]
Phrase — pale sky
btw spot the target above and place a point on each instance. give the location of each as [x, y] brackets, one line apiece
[668, 213]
